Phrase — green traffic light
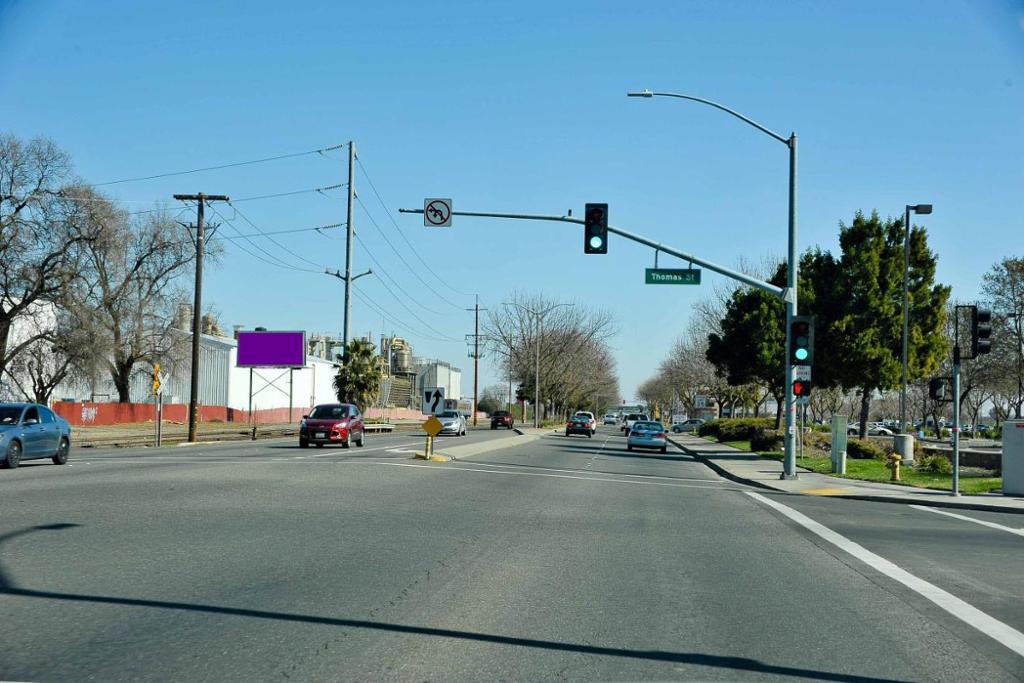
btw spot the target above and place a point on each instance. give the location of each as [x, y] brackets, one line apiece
[596, 242]
[801, 354]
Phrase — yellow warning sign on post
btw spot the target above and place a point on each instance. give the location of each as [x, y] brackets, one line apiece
[432, 426]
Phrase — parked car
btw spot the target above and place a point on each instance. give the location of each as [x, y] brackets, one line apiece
[647, 434]
[29, 431]
[610, 419]
[501, 418]
[591, 420]
[632, 419]
[579, 424]
[453, 422]
[332, 423]
[691, 425]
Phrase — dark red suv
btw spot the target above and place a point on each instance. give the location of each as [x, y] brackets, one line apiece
[501, 418]
[339, 423]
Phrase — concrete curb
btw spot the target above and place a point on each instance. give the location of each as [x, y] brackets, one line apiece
[966, 505]
[721, 471]
[469, 450]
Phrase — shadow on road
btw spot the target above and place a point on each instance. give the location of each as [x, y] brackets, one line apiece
[7, 587]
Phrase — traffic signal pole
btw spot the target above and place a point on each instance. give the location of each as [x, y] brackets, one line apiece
[658, 246]
[789, 459]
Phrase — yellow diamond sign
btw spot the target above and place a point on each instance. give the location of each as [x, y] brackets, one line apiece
[432, 426]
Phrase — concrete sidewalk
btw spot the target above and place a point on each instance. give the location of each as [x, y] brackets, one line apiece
[751, 469]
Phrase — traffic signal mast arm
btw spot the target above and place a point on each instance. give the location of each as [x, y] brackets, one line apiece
[721, 270]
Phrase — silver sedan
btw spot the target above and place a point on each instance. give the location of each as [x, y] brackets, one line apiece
[647, 435]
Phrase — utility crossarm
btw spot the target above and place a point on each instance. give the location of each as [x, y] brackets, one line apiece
[721, 270]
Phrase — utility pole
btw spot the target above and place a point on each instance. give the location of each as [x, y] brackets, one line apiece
[476, 354]
[197, 305]
[350, 231]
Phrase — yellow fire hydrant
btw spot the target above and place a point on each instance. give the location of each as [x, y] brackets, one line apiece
[894, 465]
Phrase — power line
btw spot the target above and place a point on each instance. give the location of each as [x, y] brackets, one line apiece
[321, 190]
[388, 275]
[277, 260]
[289, 232]
[257, 229]
[402, 233]
[401, 324]
[397, 298]
[402, 258]
[215, 168]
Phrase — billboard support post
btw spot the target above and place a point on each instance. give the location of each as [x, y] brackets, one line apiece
[291, 372]
[250, 396]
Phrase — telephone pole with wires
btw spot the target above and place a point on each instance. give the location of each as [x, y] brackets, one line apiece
[475, 353]
[349, 230]
[197, 305]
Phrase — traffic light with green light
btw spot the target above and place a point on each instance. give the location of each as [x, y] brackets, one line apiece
[595, 229]
[802, 340]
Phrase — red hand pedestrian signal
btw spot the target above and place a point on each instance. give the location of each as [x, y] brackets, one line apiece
[801, 388]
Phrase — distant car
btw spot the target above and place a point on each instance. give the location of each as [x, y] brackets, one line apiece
[452, 422]
[631, 419]
[29, 431]
[501, 418]
[647, 434]
[332, 423]
[691, 425]
[591, 420]
[610, 419]
[579, 424]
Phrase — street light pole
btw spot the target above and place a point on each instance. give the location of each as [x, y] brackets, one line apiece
[921, 209]
[789, 461]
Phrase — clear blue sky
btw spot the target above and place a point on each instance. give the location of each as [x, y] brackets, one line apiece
[520, 106]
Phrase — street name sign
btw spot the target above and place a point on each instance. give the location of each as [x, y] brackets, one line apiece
[672, 276]
[437, 213]
[433, 400]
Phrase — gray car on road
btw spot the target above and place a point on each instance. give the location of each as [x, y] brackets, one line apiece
[29, 431]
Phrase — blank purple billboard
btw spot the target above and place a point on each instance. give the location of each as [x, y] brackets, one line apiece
[271, 350]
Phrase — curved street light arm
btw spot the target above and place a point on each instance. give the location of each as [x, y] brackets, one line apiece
[716, 105]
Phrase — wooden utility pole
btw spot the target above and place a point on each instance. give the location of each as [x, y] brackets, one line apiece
[476, 354]
[197, 305]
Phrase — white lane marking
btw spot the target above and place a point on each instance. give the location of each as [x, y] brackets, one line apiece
[618, 474]
[1010, 529]
[554, 476]
[353, 448]
[1002, 633]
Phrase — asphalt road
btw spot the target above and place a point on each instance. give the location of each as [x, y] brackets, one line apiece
[552, 558]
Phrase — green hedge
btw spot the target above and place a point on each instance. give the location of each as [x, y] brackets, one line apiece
[735, 429]
[767, 440]
[936, 464]
[862, 449]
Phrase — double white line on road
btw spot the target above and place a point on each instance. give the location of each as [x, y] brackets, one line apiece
[1004, 634]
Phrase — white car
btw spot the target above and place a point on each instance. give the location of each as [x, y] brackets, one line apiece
[610, 419]
[632, 419]
[452, 422]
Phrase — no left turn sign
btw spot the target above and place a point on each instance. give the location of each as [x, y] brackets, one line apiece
[437, 213]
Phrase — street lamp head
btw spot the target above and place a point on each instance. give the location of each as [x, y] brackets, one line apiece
[923, 209]
[643, 93]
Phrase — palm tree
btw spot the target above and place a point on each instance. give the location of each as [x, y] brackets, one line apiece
[358, 379]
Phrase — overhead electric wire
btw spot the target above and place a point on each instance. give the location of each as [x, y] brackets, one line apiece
[413, 331]
[321, 190]
[277, 260]
[402, 258]
[289, 232]
[257, 229]
[384, 271]
[402, 233]
[397, 298]
[221, 166]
